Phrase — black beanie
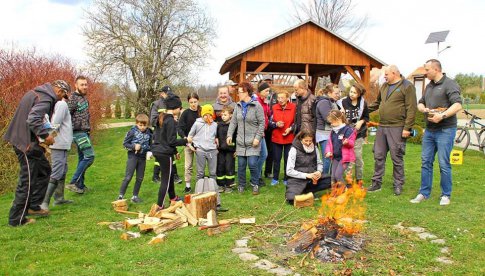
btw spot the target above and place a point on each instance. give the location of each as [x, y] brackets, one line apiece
[173, 102]
[263, 86]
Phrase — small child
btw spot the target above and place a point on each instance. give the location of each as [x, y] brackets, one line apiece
[137, 142]
[340, 146]
[226, 161]
[203, 136]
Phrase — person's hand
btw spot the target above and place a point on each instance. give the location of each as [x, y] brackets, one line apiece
[235, 154]
[316, 176]
[358, 125]
[280, 124]
[424, 110]
[405, 133]
[229, 140]
[137, 147]
[287, 131]
[49, 140]
[345, 141]
[436, 118]
[177, 156]
[328, 155]
[189, 139]
[255, 142]
[217, 142]
[191, 147]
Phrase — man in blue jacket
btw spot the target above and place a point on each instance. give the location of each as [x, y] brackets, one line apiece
[26, 131]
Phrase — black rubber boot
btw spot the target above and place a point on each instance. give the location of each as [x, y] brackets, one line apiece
[59, 194]
[51, 188]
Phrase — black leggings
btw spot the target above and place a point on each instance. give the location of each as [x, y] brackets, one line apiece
[167, 178]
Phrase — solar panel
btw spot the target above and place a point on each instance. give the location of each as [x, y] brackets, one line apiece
[437, 37]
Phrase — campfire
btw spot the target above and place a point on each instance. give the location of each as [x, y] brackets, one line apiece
[333, 236]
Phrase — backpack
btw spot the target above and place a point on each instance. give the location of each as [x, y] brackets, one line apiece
[207, 185]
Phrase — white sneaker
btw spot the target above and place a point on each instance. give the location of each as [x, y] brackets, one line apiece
[418, 199]
[445, 200]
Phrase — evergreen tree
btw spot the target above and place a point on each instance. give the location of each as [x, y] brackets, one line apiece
[118, 109]
[127, 109]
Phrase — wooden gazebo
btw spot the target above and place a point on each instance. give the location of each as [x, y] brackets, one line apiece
[307, 51]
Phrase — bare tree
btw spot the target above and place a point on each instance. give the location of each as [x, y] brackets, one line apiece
[336, 15]
[149, 43]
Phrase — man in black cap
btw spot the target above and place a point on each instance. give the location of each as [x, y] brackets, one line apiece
[27, 130]
[157, 107]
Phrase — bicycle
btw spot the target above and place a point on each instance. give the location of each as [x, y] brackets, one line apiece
[462, 138]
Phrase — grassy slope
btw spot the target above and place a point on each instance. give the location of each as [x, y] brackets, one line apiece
[71, 240]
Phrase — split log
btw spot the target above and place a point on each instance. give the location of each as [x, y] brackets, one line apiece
[218, 230]
[229, 221]
[247, 221]
[212, 218]
[174, 224]
[301, 240]
[144, 227]
[201, 204]
[173, 207]
[130, 235]
[158, 239]
[203, 222]
[168, 215]
[129, 223]
[151, 220]
[128, 212]
[190, 219]
[120, 205]
[305, 200]
[153, 210]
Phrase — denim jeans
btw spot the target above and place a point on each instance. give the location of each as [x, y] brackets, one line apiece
[326, 161]
[440, 141]
[278, 151]
[263, 154]
[252, 163]
[85, 158]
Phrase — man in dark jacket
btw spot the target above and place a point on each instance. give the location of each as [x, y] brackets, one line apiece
[27, 128]
[397, 107]
[305, 117]
[79, 108]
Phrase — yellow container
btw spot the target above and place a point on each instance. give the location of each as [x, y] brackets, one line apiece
[456, 157]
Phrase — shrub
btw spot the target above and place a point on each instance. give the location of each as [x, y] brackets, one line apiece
[127, 109]
[482, 98]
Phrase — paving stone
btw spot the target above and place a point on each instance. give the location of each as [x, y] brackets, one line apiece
[265, 264]
[426, 235]
[248, 257]
[438, 241]
[445, 250]
[417, 229]
[281, 271]
[239, 250]
[242, 243]
[444, 260]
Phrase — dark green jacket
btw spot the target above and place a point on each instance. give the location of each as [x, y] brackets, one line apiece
[399, 108]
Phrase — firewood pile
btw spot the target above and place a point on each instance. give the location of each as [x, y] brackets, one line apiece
[198, 210]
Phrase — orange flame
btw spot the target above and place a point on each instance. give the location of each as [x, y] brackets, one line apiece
[345, 205]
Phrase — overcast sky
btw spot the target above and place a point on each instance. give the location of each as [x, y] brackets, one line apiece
[396, 33]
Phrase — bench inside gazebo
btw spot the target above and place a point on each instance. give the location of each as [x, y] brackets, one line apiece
[307, 51]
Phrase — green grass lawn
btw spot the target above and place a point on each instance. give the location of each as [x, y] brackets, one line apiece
[70, 241]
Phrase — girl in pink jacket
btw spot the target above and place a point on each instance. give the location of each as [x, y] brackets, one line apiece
[340, 146]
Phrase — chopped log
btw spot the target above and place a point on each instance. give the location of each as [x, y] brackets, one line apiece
[211, 218]
[218, 230]
[144, 227]
[301, 240]
[203, 222]
[158, 239]
[130, 235]
[120, 205]
[127, 212]
[174, 206]
[174, 224]
[229, 221]
[193, 221]
[151, 220]
[168, 215]
[202, 203]
[247, 221]
[129, 223]
[212, 226]
[305, 200]
[153, 210]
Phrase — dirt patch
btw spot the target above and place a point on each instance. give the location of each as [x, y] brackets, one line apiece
[479, 112]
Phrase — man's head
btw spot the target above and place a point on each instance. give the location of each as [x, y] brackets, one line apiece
[223, 93]
[433, 70]
[81, 85]
[300, 87]
[392, 74]
[268, 79]
[165, 91]
[231, 86]
[141, 122]
[61, 89]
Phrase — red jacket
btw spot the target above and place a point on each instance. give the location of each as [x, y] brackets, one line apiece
[287, 115]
